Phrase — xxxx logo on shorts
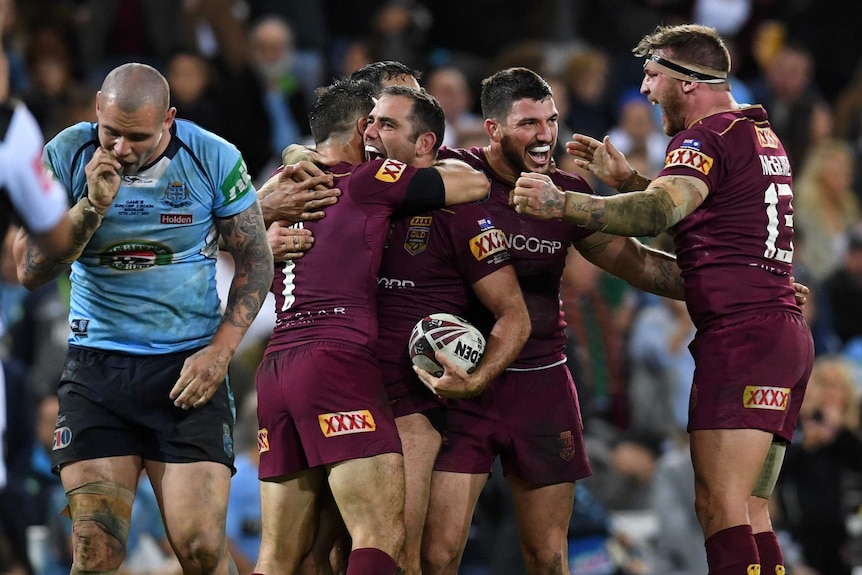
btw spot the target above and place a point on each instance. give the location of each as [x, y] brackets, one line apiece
[346, 422]
[758, 397]
[262, 440]
[689, 158]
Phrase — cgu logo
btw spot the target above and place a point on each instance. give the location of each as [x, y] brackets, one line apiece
[758, 397]
[346, 422]
[467, 352]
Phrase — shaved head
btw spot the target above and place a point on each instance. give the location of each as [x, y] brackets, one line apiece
[132, 86]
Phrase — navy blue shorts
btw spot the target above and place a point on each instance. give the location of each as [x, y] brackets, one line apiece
[114, 404]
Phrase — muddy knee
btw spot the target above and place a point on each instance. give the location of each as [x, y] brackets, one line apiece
[200, 552]
[100, 513]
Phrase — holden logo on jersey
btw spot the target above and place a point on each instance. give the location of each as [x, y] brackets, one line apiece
[177, 195]
[390, 171]
[346, 422]
[262, 440]
[135, 255]
[761, 397]
[417, 234]
[689, 158]
[567, 445]
[62, 438]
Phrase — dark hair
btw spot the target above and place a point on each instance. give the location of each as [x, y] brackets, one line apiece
[378, 72]
[501, 90]
[338, 107]
[426, 115]
[691, 43]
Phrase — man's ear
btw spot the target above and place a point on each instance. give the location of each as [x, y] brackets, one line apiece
[493, 129]
[361, 124]
[425, 144]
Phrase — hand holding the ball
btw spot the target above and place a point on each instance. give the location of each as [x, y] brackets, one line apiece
[455, 383]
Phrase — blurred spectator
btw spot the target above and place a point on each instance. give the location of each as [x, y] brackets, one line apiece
[848, 121]
[726, 16]
[825, 206]
[449, 86]
[272, 55]
[820, 486]
[637, 133]
[844, 290]
[190, 80]
[587, 74]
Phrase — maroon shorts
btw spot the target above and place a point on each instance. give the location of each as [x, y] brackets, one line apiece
[530, 418]
[321, 403]
[412, 397]
[751, 374]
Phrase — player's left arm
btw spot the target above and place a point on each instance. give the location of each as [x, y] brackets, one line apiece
[500, 293]
[643, 267]
[245, 238]
[666, 201]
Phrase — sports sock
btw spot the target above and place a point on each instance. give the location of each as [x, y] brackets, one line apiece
[370, 561]
[771, 558]
[733, 551]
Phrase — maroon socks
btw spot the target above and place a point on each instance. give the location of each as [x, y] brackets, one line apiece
[771, 558]
[733, 551]
[370, 561]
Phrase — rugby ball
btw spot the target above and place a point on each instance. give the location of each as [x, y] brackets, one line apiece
[457, 338]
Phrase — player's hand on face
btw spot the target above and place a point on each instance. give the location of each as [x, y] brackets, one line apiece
[536, 195]
[601, 158]
[200, 377]
[455, 383]
[103, 178]
[288, 243]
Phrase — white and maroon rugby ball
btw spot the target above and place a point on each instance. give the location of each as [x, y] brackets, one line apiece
[457, 338]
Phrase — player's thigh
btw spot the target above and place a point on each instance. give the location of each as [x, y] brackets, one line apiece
[123, 470]
[727, 462]
[369, 492]
[193, 498]
[450, 512]
[288, 509]
[420, 443]
[543, 513]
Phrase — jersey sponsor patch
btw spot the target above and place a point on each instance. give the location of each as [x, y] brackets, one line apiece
[135, 255]
[766, 137]
[237, 182]
[762, 397]
[262, 440]
[689, 158]
[390, 171]
[488, 243]
[346, 422]
[62, 438]
[418, 233]
[485, 223]
[691, 143]
[176, 219]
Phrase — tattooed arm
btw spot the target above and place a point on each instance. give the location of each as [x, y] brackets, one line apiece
[643, 267]
[245, 238]
[665, 202]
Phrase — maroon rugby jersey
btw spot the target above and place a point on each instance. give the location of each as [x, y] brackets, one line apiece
[429, 263]
[538, 250]
[330, 293]
[735, 250]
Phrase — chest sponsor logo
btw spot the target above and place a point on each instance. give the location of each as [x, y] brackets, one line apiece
[62, 438]
[176, 219]
[262, 440]
[177, 195]
[390, 171]
[759, 397]
[488, 243]
[766, 137]
[346, 422]
[689, 158]
[395, 283]
[135, 255]
[522, 243]
[418, 232]
[567, 445]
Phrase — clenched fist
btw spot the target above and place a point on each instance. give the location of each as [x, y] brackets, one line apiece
[103, 179]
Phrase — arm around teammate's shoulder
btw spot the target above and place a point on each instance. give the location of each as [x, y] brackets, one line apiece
[463, 183]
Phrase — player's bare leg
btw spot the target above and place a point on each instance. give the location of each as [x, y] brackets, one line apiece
[96, 485]
[369, 492]
[543, 515]
[727, 464]
[420, 443]
[193, 498]
[287, 515]
[328, 555]
[447, 525]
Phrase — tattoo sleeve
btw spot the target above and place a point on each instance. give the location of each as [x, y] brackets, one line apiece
[37, 269]
[245, 239]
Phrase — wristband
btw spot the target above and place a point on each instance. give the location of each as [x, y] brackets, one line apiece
[634, 183]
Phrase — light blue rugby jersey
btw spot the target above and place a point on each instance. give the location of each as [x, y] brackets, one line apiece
[145, 283]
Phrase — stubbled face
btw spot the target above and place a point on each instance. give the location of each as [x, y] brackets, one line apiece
[136, 138]
[528, 135]
[666, 92]
[389, 132]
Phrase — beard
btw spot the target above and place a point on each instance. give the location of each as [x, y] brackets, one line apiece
[515, 155]
[674, 118]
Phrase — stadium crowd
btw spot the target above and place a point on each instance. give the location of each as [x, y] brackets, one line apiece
[247, 70]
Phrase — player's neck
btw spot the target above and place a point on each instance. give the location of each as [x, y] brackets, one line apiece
[500, 164]
[713, 103]
[340, 151]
